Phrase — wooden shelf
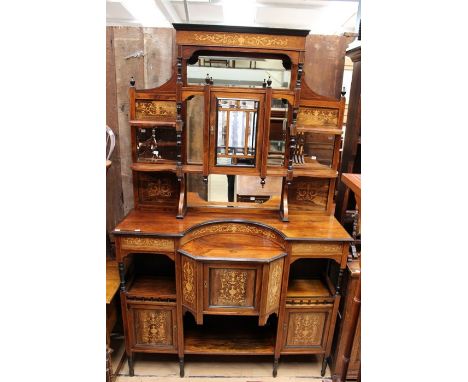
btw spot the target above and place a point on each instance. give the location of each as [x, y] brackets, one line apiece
[319, 130]
[151, 286]
[304, 170]
[303, 288]
[152, 123]
[172, 166]
[141, 166]
[229, 335]
[314, 168]
[235, 156]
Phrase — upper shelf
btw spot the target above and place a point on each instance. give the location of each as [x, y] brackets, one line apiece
[319, 130]
[155, 167]
[151, 123]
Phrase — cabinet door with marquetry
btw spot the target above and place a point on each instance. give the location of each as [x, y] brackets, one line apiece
[153, 327]
[232, 288]
[306, 330]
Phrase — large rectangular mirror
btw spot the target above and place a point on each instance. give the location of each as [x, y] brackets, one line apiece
[233, 191]
[248, 72]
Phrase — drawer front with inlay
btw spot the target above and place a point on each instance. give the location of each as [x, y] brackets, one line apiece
[317, 249]
[146, 244]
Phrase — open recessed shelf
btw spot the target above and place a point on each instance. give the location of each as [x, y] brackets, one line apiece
[307, 288]
[229, 335]
[153, 287]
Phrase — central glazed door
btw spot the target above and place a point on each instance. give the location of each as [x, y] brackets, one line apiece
[236, 132]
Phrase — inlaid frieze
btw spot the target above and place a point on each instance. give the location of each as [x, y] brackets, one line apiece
[305, 329]
[155, 110]
[234, 228]
[317, 116]
[316, 248]
[248, 40]
[241, 39]
[146, 243]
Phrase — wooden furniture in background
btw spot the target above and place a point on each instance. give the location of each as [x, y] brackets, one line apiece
[347, 328]
[112, 287]
[232, 279]
[346, 355]
[351, 157]
[112, 310]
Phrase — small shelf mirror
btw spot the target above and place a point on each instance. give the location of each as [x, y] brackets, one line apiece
[156, 144]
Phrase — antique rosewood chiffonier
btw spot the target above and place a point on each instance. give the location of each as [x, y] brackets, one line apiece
[260, 272]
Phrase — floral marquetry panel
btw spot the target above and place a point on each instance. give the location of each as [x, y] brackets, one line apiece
[274, 285]
[155, 110]
[231, 287]
[189, 282]
[159, 189]
[317, 116]
[305, 329]
[309, 193]
[154, 327]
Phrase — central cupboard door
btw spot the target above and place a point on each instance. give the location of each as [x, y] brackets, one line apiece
[236, 132]
[232, 288]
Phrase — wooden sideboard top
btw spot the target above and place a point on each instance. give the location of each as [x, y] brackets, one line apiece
[301, 226]
[234, 247]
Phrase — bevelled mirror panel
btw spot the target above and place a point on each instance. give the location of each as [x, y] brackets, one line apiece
[236, 132]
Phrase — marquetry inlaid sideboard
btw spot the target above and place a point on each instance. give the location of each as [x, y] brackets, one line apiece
[217, 283]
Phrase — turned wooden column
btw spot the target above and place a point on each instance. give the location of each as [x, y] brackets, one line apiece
[353, 132]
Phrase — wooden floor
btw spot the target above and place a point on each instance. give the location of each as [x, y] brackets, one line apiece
[165, 368]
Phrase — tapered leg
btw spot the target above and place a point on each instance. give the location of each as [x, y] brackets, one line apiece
[324, 366]
[131, 372]
[181, 367]
[275, 367]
